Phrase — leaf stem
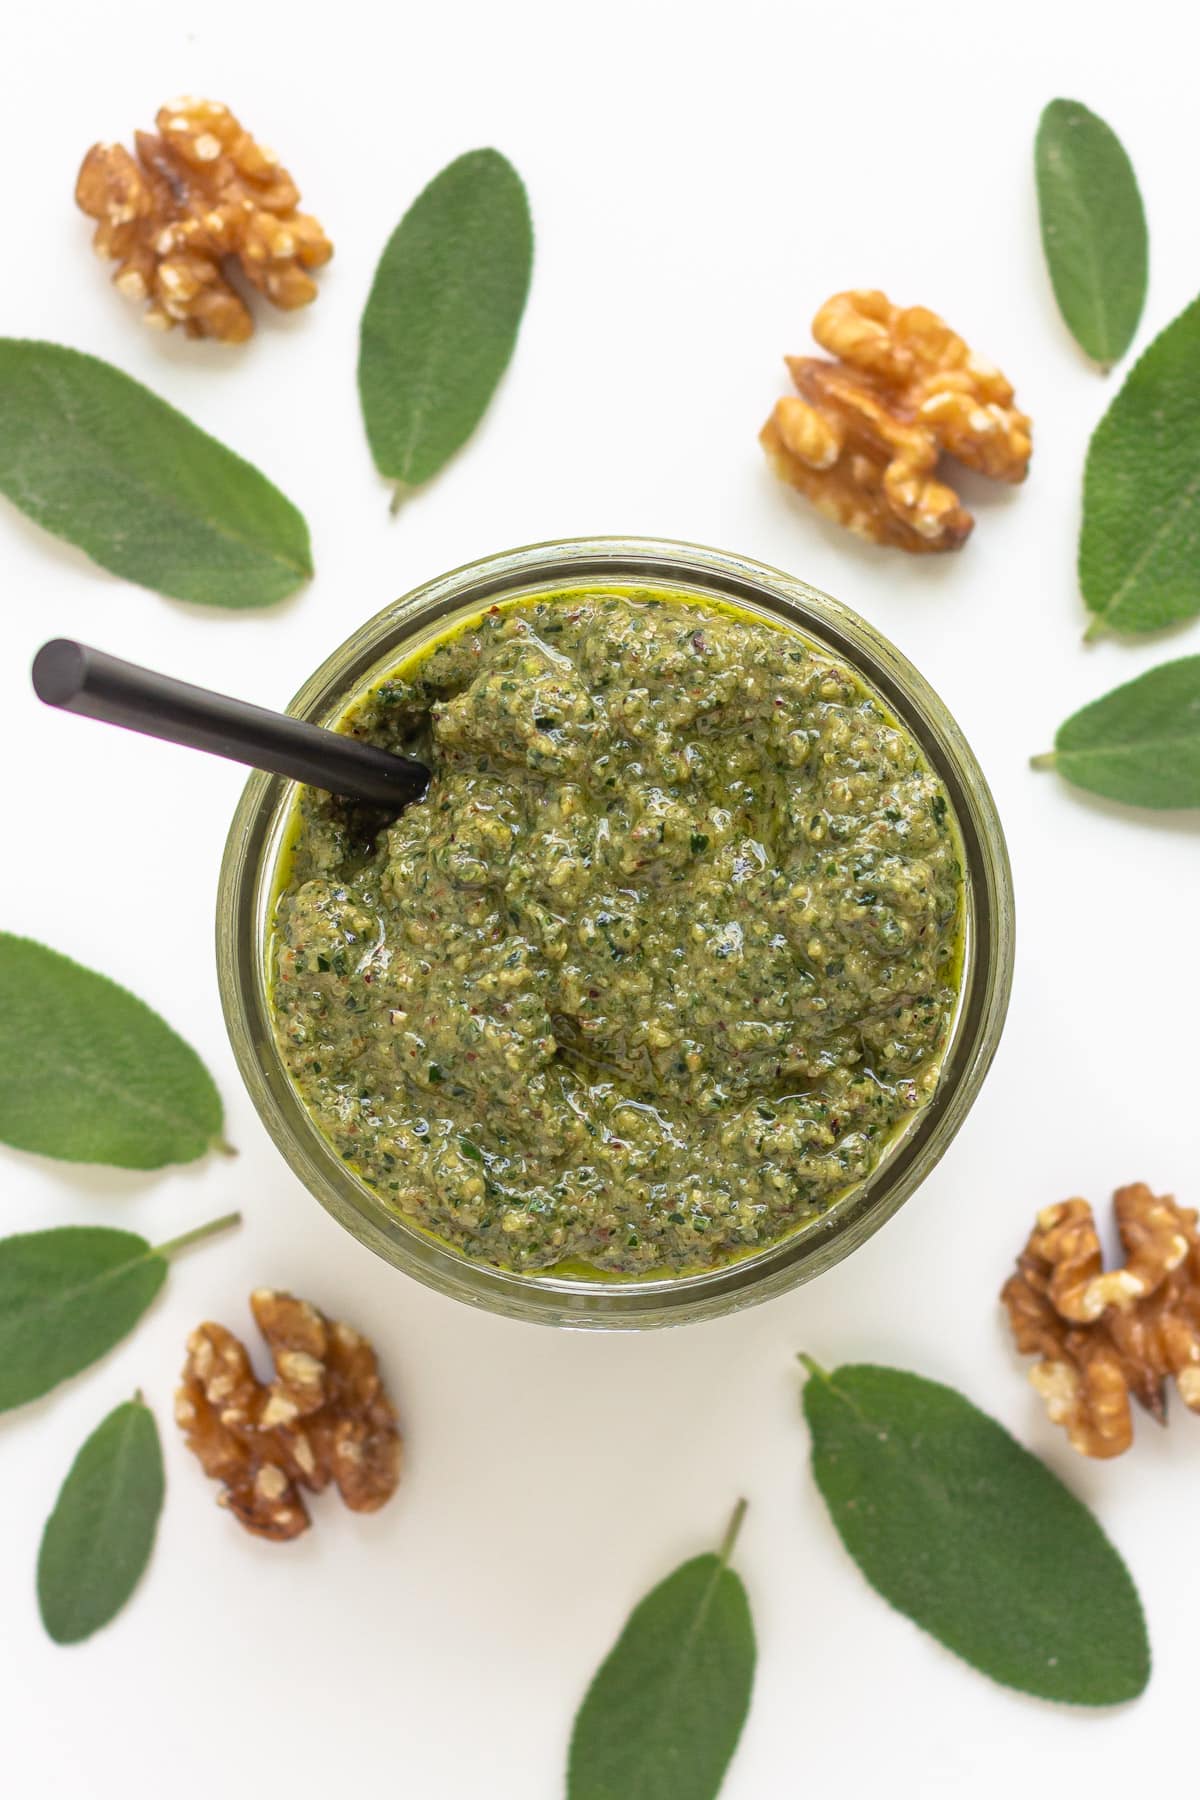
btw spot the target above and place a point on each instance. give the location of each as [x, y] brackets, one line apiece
[195, 1236]
[1046, 760]
[731, 1532]
[223, 1147]
[1095, 630]
[813, 1367]
[399, 495]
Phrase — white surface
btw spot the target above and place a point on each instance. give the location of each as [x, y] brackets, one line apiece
[699, 184]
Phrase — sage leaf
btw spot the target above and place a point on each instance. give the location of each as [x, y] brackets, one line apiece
[89, 1073]
[96, 458]
[1093, 229]
[69, 1294]
[663, 1715]
[98, 1539]
[1139, 744]
[1139, 549]
[442, 315]
[973, 1538]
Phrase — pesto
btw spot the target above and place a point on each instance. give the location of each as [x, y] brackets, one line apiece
[659, 964]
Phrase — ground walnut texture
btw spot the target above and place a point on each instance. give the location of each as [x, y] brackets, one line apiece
[659, 965]
[864, 436]
[324, 1418]
[201, 193]
[1106, 1336]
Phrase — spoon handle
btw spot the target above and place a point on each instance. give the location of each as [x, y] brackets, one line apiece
[82, 680]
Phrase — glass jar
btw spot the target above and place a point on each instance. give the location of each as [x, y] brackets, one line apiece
[249, 876]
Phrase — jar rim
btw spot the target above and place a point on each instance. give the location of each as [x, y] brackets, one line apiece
[248, 883]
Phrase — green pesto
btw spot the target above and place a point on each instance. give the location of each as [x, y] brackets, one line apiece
[662, 961]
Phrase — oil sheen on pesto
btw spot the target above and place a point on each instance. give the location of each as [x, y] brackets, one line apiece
[659, 964]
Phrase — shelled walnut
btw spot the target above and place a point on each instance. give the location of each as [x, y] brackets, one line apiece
[1106, 1336]
[864, 436]
[325, 1417]
[201, 192]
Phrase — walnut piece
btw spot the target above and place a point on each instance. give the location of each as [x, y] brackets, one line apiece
[864, 436]
[1105, 1337]
[325, 1417]
[201, 192]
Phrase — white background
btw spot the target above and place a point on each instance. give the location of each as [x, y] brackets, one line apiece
[700, 181]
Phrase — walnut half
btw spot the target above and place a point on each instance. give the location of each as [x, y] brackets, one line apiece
[1106, 1337]
[325, 1417]
[863, 437]
[201, 194]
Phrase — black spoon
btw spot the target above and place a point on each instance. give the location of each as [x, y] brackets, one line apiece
[82, 680]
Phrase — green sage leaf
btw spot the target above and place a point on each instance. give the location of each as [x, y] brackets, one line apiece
[96, 458]
[973, 1538]
[663, 1715]
[98, 1539]
[89, 1073]
[1139, 744]
[1093, 229]
[443, 313]
[69, 1294]
[1139, 550]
